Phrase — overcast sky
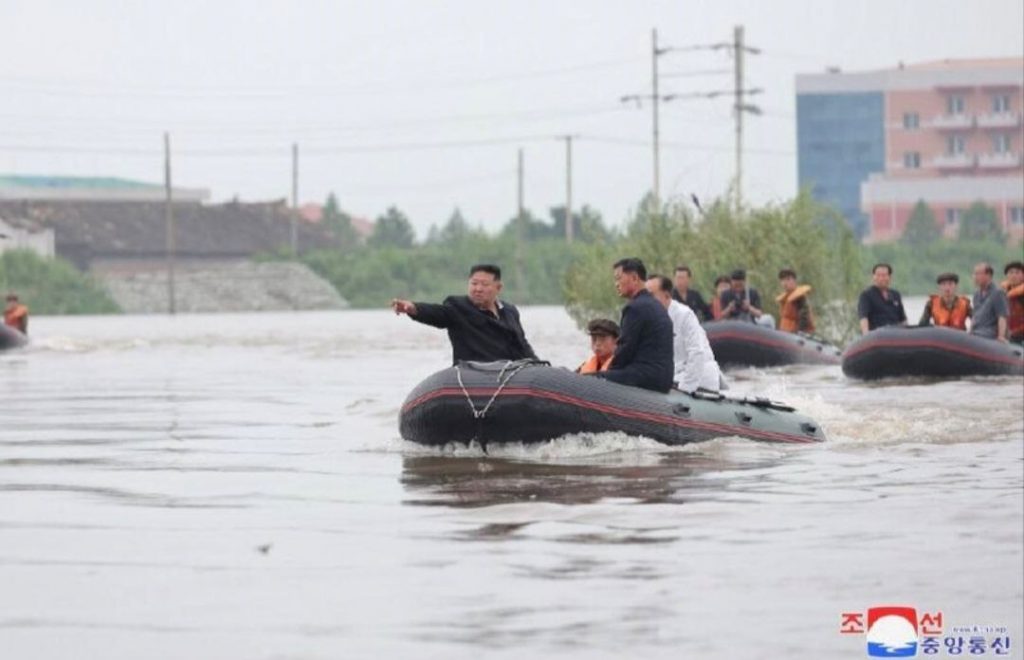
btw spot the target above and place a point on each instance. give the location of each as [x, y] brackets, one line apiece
[88, 87]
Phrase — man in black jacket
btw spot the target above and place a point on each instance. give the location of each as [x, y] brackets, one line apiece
[480, 327]
[643, 357]
[690, 297]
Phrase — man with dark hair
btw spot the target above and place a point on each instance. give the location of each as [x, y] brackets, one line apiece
[694, 363]
[16, 314]
[740, 302]
[480, 327]
[879, 305]
[794, 308]
[643, 357]
[690, 297]
[946, 308]
[1014, 287]
[991, 308]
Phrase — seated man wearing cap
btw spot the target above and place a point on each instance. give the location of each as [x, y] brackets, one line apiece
[946, 308]
[604, 333]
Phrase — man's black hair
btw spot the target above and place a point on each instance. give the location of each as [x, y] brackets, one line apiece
[720, 279]
[686, 269]
[664, 284]
[739, 274]
[884, 265]
[1013, 264]
[948, 277]
[787, 272]
[632, 265]
[486, 268]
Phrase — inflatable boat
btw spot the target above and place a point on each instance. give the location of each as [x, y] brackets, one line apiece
[528, 402]
[742, 344]
[11, 338]
[929, 351]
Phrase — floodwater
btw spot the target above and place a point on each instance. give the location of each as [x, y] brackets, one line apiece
[233, 486]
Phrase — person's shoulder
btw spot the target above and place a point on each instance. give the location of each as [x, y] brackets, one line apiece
[456, 301]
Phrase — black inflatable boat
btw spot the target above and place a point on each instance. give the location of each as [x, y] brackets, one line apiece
[929, 351]
[11, 338]
[742, 344]
[529, 402]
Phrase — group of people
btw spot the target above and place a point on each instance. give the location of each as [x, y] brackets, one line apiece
[995, 311]
[658, 342]
[16, 314]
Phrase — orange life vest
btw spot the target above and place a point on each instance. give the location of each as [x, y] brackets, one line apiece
[790, 313]
[17, 318]
[950, 318]
[1015, 296]
[593, 365]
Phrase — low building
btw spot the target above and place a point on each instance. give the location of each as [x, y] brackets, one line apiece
[25, 235]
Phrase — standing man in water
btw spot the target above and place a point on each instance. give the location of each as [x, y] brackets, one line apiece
[879, 305]
[690, 297]
[643, 357]
[991, 308]
[481, 327]
[16, 314]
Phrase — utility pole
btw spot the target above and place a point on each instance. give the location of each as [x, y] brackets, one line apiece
[569, 229]
[739, 109]
[171, 244]
[295, 199]
[655, 102]
[520, 220]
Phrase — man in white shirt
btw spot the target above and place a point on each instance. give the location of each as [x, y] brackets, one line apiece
[695, 365]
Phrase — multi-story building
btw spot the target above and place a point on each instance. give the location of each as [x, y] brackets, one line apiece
[948, 133]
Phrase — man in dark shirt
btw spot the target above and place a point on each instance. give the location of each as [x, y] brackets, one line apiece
[643, 356]
[879, 305]
[690, 297]
[480, 327]
[740, 302]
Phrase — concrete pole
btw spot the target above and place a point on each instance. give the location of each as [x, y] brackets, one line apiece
[295, 199]
[737, 49]
[568, 190]
[171, 244]
[655, 102]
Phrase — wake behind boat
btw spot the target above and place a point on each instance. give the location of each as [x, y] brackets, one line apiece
[929, 351]
[741, 344]
[526, 401]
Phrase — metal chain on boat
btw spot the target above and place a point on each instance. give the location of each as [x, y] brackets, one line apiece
[503, 380]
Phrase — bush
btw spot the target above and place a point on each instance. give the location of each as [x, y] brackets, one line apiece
[52, 286]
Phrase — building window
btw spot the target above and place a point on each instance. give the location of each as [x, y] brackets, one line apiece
[1000, 104]
[955, 105]
[1017, 215]
[1001, 143]
[911, 160]
[911, 120]
[955, 145]
[952, 217]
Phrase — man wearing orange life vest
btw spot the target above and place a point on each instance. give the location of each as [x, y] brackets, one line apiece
[16, 314]
[946, 308]
[1014, 287]
[794, 308]
[603, 335]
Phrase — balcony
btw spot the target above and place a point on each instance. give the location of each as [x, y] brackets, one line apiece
[953, 122]
[999, 120]
[953, 162]
[999, 161]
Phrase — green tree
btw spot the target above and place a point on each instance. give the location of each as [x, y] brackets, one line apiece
[340, 223]
[980, 222]
[52, 285]
[392, 229]
[921, 228]
[587, 224]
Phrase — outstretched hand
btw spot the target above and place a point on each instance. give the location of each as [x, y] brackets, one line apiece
[403, 307]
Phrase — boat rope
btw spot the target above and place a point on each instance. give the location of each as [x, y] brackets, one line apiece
[503, 380]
